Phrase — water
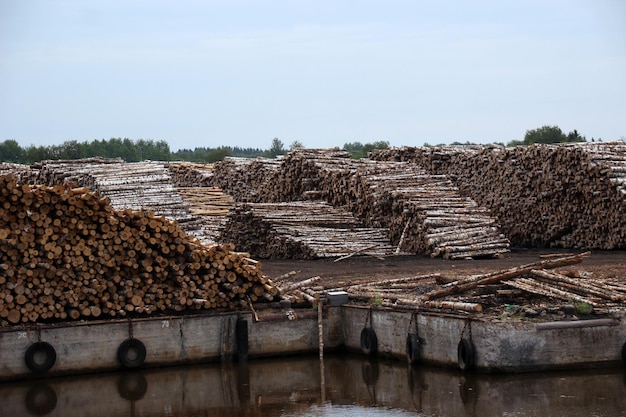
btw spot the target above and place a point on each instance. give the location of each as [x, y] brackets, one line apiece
[294, 387]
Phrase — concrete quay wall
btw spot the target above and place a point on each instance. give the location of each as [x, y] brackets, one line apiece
[490, 345]
[93, 346]
[499, 345]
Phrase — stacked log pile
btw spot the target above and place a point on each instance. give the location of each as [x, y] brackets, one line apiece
[138, 186]
[65, 253]
[567, 195]
[187, 174]
[209, 205]
[305, 174]
[143, 185]
[301, 230]
[22, 172]
[246, 179]
[424, 213]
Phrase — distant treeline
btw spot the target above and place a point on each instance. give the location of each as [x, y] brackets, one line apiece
[126, 149]
[142, 149]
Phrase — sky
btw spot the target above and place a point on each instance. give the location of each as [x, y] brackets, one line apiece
[209, 73]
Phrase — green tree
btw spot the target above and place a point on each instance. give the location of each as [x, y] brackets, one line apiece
[277, 148]
[71, 149]
[358, 150]
[369, 147]
[574, 136]
[37, 154]
[548, 134]
[296, 145]
[355, 148]
[11, 151]
[544, 134]
[218, 154]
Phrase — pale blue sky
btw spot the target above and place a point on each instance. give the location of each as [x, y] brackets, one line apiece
[323, 72]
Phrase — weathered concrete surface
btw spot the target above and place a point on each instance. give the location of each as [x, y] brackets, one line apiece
[92, 346]
[500, 346]
[506, 346]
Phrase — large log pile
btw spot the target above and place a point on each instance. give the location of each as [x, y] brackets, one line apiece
[143, 185]
[187, 174]
[206, 202]
[22, 172]
[567, 195]
[301, 230]
[306, 174]
[246, 180]
[65, 253]
[424, 213]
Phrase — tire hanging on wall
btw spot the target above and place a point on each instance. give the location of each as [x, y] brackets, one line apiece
[412, 348]
[40, 357]
[131, 353]
[369, 341]
[466, 355]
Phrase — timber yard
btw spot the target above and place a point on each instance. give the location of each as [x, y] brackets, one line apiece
[500, 260]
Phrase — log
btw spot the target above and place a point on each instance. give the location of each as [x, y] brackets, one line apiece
[533, 286]
[69, 255]
[492, 278]
[579, 285]
[395, 197]
[559, 195]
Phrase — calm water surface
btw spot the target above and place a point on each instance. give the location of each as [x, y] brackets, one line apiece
[295, 387]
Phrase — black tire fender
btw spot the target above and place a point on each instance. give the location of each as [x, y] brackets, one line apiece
[131, 353]
[466, 355]
[40, 357]
[412, 348]
[369, 341]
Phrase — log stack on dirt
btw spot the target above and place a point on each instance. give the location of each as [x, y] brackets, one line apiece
[65, 253]
[302, 230]
[566, 195]
[424, 213]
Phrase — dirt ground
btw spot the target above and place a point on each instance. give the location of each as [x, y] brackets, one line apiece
[607, 266]
[601, 264]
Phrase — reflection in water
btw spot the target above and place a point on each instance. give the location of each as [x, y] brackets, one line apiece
[41, 399]
[291, 387]
[132, 386]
